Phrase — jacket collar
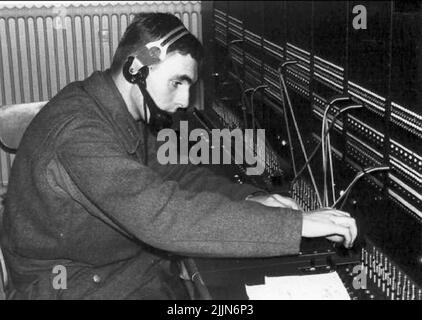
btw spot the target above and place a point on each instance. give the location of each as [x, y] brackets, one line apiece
[101, 87]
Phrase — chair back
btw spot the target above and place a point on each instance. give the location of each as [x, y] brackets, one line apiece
[14, 119]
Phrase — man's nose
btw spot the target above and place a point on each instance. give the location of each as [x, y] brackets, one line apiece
[182, 98]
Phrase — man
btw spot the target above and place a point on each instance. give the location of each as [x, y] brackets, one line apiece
[87, 196]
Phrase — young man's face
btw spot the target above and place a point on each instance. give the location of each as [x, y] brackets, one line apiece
[169, 81]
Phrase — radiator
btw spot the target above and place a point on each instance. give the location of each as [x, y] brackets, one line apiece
[43, 49]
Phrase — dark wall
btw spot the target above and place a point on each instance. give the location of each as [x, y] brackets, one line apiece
[379, 67]
[391, 44]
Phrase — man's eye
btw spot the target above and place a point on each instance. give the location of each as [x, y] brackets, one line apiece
[175, 83]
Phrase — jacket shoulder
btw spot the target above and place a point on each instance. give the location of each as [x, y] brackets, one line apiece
[72, 105]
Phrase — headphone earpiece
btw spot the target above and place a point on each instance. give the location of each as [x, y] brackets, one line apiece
[129, 71]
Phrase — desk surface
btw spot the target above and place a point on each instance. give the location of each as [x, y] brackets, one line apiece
[225, 279]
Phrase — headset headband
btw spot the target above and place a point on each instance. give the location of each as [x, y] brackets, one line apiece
[164, 43]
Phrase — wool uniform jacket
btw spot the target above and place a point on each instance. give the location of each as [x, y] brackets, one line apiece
[80, 199]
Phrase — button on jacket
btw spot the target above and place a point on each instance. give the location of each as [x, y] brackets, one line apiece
[81, 197]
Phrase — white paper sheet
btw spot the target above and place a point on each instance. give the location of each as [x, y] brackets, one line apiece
[326, 286]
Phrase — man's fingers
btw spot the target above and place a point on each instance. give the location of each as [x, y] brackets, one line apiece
[335, 225]
[353, 230]
[349, 223]
[345, 232]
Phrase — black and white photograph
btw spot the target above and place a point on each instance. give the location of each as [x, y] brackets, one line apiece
[220, 151]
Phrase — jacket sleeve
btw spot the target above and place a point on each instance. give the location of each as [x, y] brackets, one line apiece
[161, 213]
[200, 179]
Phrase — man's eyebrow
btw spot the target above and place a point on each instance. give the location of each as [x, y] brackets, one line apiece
[183, 77]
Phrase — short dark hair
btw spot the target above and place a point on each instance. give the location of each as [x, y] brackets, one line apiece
[147, 27]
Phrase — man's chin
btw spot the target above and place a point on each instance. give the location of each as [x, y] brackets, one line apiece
[173, 111]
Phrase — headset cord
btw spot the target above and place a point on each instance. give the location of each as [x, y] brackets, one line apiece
[145, 133]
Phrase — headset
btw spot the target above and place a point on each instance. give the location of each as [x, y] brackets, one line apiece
[136, 70]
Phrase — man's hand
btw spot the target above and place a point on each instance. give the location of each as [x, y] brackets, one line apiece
[333, 224]
[275, 200]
